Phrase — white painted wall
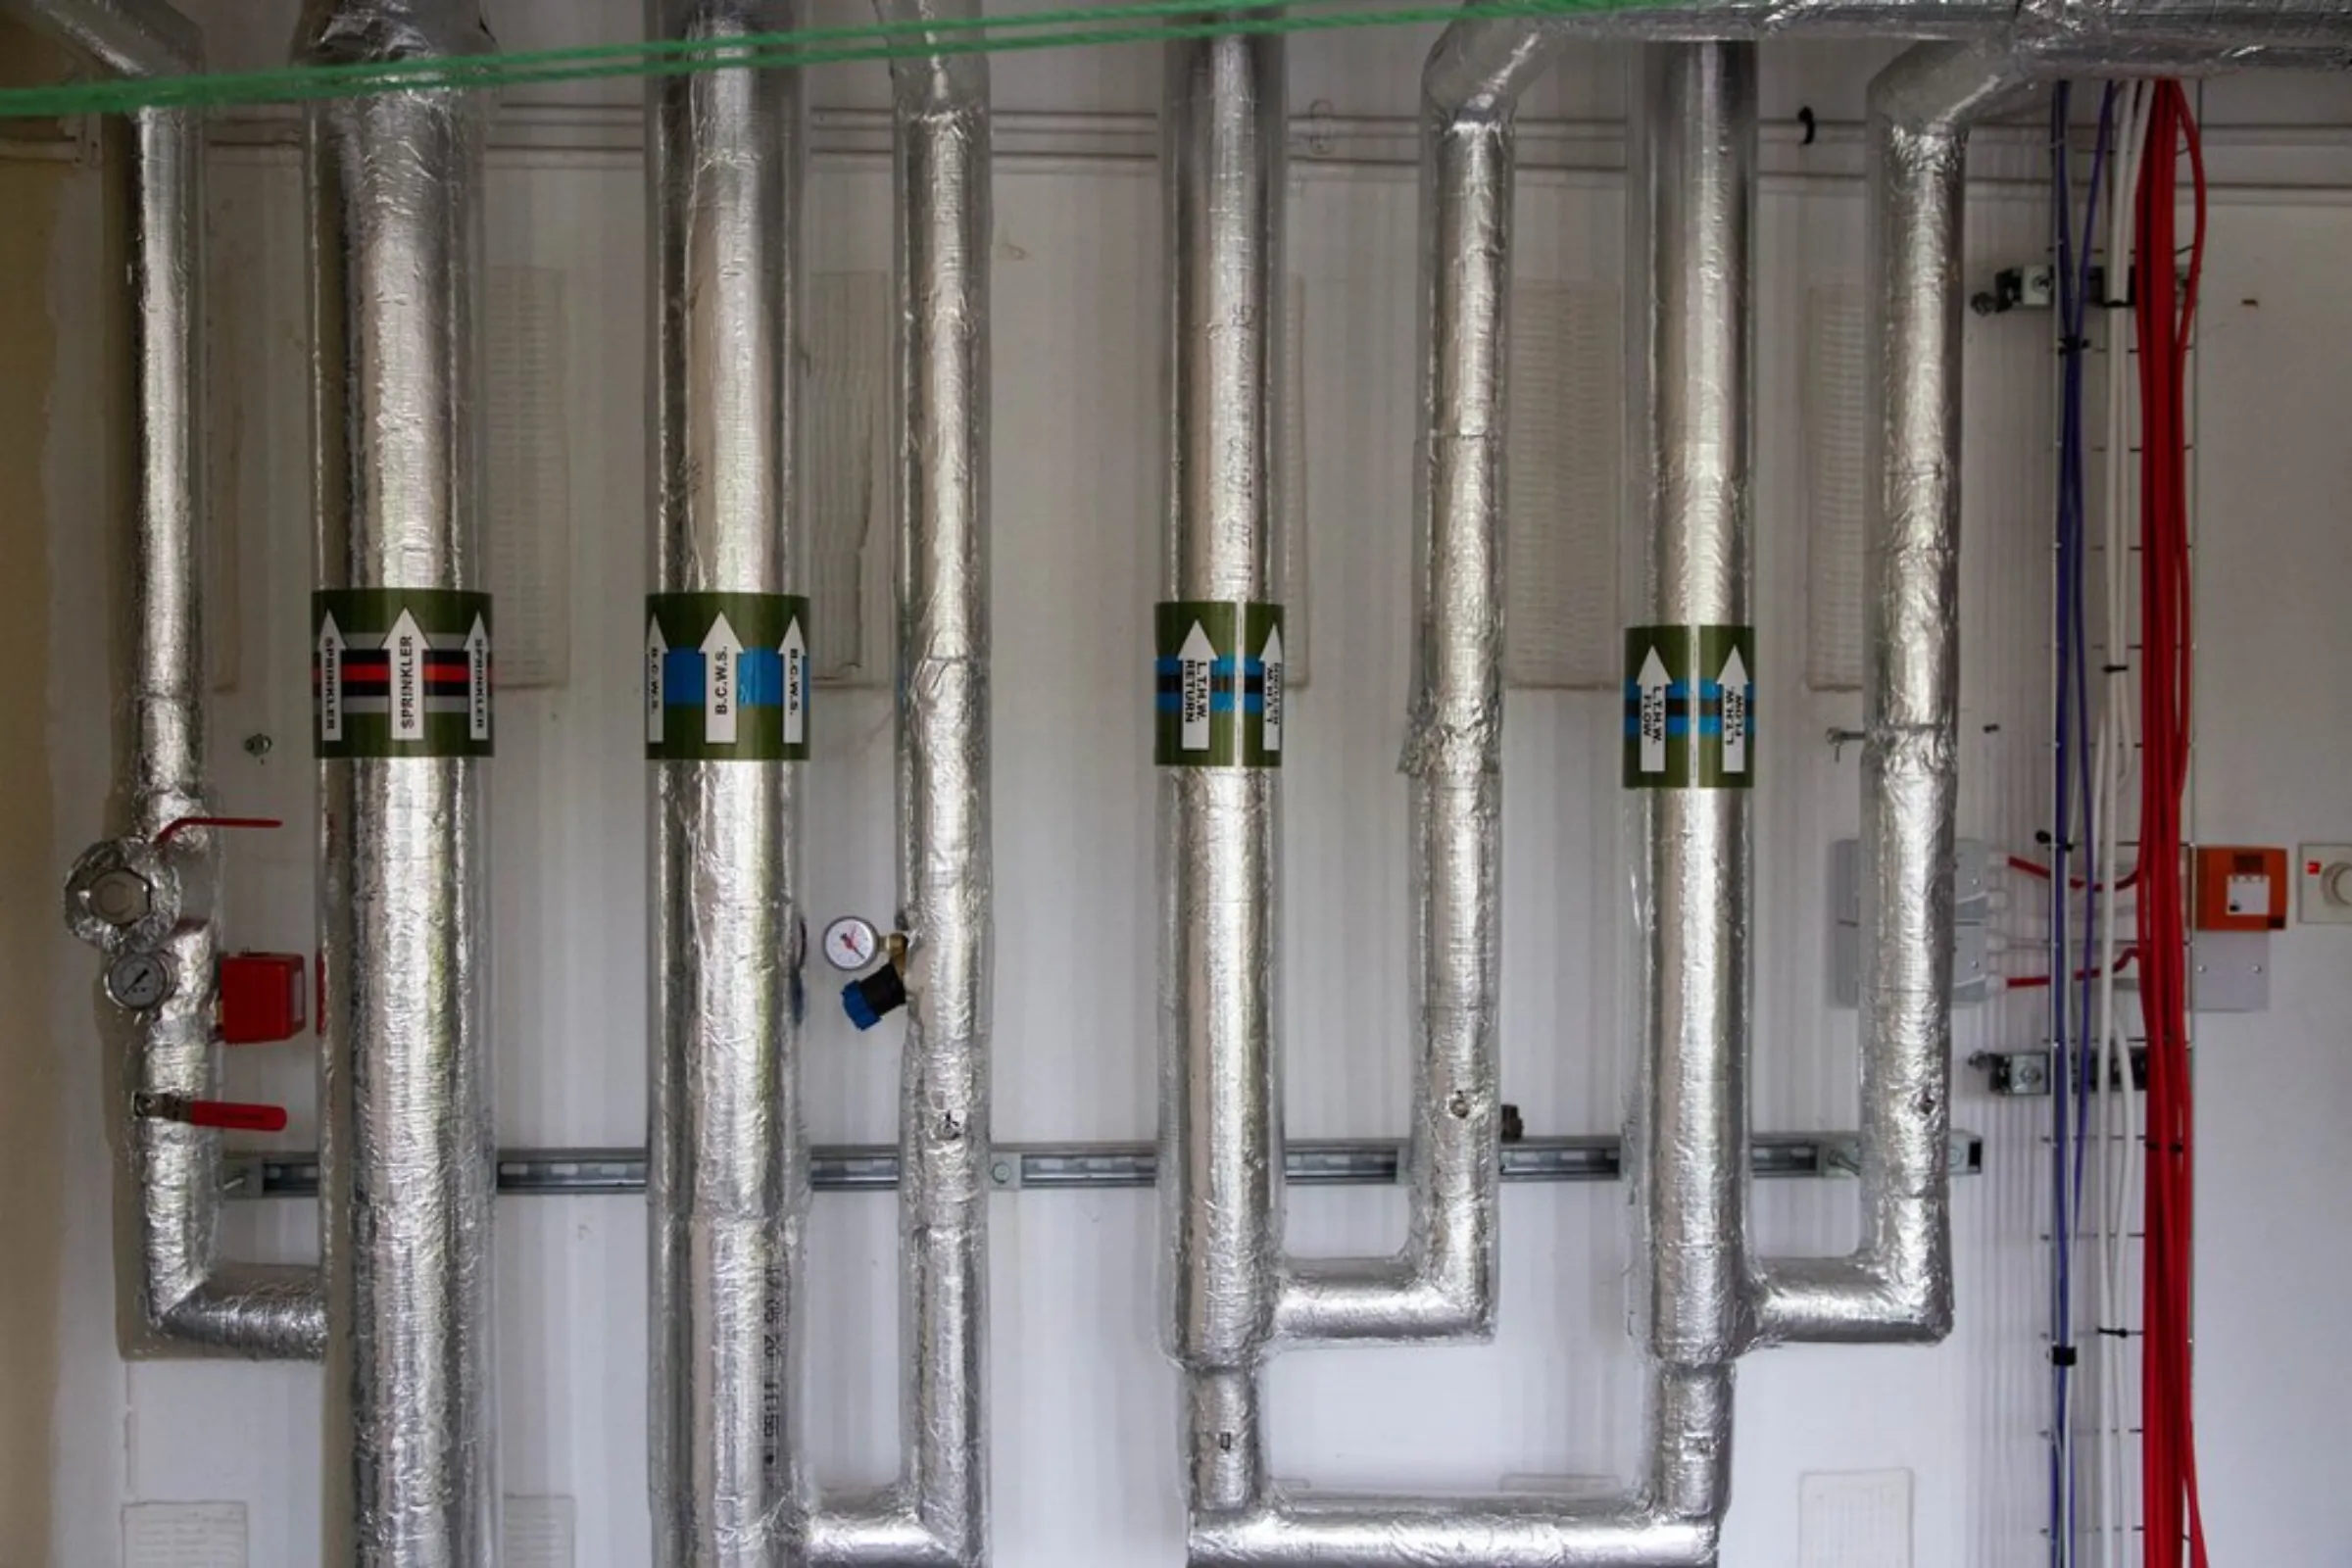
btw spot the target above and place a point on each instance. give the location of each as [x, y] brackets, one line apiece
[1085, 1433]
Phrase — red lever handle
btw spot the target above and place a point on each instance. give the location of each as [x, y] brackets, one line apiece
[232, 1115]
[236, 1117]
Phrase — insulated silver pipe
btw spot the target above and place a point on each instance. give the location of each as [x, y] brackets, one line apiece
[1692, 1120]
[181, 1298]
[408, 1162]
[128, 38]
[1672, 1516]
[1443, 1285]
[1897, 1286]
[2087, 33]
[188, 1299]
[937, 1513]
[1220, 1139]
[727, 1173]
[1673, 1519]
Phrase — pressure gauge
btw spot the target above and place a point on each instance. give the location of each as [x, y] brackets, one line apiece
[850, 944]
[139, 980]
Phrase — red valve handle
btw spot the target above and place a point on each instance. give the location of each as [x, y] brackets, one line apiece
[173, 827]
[232, 1115]
[236, 1117]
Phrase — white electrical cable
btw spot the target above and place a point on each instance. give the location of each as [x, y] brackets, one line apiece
[2120, 1160]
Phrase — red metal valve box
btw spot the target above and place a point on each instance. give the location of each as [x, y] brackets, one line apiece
[262, 997]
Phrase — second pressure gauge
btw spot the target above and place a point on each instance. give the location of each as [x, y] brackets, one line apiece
[851, 943]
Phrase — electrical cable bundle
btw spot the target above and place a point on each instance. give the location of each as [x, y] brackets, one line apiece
[2120, 1131]
[2165, 307]
[2071, 982]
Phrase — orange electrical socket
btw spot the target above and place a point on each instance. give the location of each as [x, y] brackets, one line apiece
[2240, 887]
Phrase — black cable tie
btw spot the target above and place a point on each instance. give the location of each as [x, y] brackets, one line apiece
[2115, 670]
[2062, 1356]
[2119, 1334]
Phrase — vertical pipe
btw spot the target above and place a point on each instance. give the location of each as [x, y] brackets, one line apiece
[188, 1299]
[728, 1165]
[1897, 1286]
[937, 1512]
[1694, 1123]
[1223, 130]
[408, 1162]
[181, 1298]
[1442, 1283]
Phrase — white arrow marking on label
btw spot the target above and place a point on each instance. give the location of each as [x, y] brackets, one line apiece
[1653, 681]
[655, 649]
[722, 670]
[477, 681]
[1193, 660]
[1271, 704]
[330, 681]
[403, 650]
[795, 652]
[1734, 714]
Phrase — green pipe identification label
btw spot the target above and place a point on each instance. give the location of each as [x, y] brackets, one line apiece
[1217, 688]
[400, 672]
[1689, 707]
[726, 677]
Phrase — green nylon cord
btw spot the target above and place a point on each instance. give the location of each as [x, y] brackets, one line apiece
[1085, 26]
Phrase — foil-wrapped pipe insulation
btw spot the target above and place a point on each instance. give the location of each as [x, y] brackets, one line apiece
[937, 1511]
[1691, 1123]
[179, 1296]
[2090, 33]
[1897, 1286]
[128, 38]
[1671, 1519]
[1442, 1283]
[1223, 130]
[408, 1164]
[728, 1164]
[1672, 1515]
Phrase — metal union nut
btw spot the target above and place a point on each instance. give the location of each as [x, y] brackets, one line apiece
[119, 896]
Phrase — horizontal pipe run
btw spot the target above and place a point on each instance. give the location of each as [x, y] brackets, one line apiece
[1672, 1519]
[1441, 1531]
[127, 38]
[2076, 31]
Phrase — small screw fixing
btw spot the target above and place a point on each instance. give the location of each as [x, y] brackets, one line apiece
[259, 745]
[1001, 1173]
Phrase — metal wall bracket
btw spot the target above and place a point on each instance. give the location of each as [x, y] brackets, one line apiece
[874, 1167]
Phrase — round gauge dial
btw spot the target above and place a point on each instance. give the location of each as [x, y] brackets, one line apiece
[851, 942]
[138, 980]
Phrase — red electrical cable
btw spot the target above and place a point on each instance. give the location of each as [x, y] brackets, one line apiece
[2034, 869]
[2165, 304]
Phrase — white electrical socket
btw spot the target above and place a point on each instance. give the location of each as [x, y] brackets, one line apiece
[2323, 884]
